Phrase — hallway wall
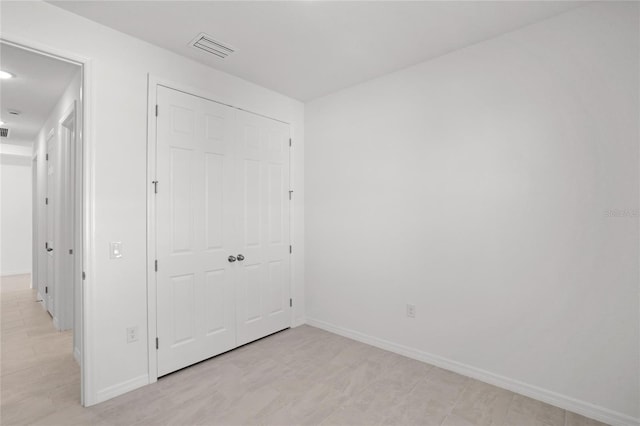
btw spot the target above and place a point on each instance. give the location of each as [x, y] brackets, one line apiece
[15, 221]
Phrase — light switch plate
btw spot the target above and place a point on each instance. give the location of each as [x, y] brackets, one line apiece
[115, 250]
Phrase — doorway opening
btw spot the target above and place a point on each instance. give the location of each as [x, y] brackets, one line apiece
[41, 157]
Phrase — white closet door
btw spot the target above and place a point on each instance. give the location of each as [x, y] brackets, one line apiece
[263, 289]
[195, 229]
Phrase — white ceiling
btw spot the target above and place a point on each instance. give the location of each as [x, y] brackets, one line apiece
[38, 84]
[306, 49]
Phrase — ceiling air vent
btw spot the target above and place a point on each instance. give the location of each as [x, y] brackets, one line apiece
[208, 44]
[4, 132]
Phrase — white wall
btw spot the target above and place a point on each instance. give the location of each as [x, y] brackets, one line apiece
[118, 131]
[15, 208]
[22, 150]
[477, 186]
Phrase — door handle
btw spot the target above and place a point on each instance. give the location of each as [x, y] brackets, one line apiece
[231, 259]
[240, 257]
[49, 249]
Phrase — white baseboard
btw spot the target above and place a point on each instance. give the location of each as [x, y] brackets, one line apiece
[298, 322]
[568, 403]
[122, 388]
[76, 355]
[10, 273]
[56, 324]
[15, 280]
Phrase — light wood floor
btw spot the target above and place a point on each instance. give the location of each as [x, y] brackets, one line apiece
[299, 376]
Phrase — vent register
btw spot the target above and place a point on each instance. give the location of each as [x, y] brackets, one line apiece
[212, 46]
[4, 131]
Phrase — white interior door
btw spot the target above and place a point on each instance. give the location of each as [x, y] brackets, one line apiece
[195, 229]
[65, 230]
[263, 290]
[222, 228]
[52, 170]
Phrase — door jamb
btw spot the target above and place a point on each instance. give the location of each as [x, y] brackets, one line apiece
[49, 281]
[86, 137]
[152, 84]
[152, 333]
[35, 233]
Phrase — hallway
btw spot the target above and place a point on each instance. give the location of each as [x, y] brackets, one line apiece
[40, 379]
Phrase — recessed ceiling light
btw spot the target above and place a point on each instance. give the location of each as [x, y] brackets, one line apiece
[1, 123]
[5, 75]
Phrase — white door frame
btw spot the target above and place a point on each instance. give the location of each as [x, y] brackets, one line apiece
[153, 83]
[36, 248]
[85, 251]
[40, 212]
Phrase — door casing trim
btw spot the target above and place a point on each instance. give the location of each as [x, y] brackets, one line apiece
[86, 137]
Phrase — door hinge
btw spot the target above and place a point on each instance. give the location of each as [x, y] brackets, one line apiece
[46, 201]
[156, 265]
[46, 157]
[46, 290]
[84, 276]
[290, 303]
[290, 193]
[156, 110]
[290, 249]
[157, 343]
[70, 251]
[289, 141]
[155, 186]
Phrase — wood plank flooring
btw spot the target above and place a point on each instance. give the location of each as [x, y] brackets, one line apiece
[299, 376]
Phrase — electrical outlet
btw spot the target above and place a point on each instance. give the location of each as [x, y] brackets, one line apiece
[411, 310]
[132, 334]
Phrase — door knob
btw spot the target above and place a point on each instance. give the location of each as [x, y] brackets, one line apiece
[240, 257]
[231, 259]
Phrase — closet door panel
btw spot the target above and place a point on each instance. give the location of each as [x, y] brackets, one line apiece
[263, 285]
[195, 229]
